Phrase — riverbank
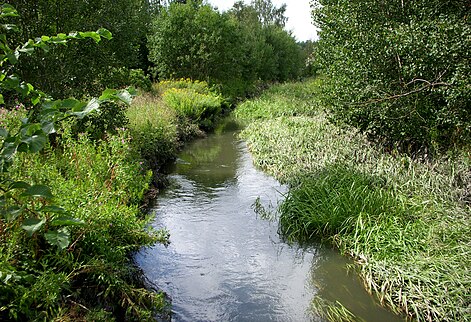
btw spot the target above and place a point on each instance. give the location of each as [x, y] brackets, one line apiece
[404, 221]
[96, 171]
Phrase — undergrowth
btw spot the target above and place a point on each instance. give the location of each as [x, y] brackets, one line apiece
[404, 220]
[99, 173]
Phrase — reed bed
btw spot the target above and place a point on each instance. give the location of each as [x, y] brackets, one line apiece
[405, 221]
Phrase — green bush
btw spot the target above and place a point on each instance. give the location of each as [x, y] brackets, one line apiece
[101, 184]
[199, 108]
[398, 71]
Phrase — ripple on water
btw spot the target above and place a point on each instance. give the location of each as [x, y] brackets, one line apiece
[223, 262]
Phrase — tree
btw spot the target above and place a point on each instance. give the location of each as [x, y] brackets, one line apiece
[83, 67]
[268, 14]
[399, 70]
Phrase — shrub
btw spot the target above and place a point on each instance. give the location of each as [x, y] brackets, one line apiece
[199, 108]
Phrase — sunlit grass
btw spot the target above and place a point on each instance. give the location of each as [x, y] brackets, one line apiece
[405, 221]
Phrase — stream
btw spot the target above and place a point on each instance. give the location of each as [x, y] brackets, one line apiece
[224, 262]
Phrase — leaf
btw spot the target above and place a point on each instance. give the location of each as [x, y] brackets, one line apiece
[32, 225]
[105, 33]
[58, 238]
[9, 150]
[48, 127]
[3, 131]
[54, 209]
[11, 213]
[28, 48]
[92, 105]
[90, 34]
[40, 191]
[125, 96]
[19, 185]
[67, 221]
[36, 142]
[2, 101]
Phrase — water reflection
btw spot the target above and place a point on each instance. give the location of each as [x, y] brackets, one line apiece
[224, 263]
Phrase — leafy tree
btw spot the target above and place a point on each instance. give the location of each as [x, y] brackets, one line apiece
[398, 70]
[268, 14]
[192, 40]
[234, 49]
[83, 67]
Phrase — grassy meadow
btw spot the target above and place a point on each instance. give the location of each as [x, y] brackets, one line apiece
[405, 221]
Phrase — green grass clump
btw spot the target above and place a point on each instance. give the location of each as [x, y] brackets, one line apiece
[198, 86]
[199, 108]
[154, 130]
[405, 221]
[321, 204]
[277, 101]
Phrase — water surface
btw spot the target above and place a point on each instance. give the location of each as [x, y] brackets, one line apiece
[224, 263]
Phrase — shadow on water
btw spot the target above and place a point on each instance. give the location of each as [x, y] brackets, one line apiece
[224, 263]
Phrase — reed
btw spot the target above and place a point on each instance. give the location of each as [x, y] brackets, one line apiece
[405, 220]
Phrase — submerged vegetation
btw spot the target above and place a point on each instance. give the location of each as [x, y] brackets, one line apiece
[405, 221]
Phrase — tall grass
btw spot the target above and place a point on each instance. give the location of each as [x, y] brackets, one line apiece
[405, 221]
[154, 130]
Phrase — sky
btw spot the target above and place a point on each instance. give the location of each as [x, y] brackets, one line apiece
[297, 11]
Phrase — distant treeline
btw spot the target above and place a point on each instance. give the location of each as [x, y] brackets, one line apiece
[165, 39]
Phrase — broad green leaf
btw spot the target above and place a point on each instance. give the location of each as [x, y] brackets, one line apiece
[11, 213]
[105, 33]
[28, 48]
[53, 209]
[92, 105]
[108, 94]
[40, 191]
[3, 132]
[8, 11]
[58, 238]
[35, 99]
[125, 96]
[67, 221]
[8, 151]
[12, 58]
[1, 98]
[32, 225]
[48, 127]
[72, 104]
[35, 142]
[19, 185]
[29, 129]
[90, 34]
[112, 94]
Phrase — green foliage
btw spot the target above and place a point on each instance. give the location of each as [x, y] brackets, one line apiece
[233, 49]
[405, 221]
[138, 79]
[321, 204]
[83, 68]
[153, 127]
[57, 260]
[399, 71]
[201, 109]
